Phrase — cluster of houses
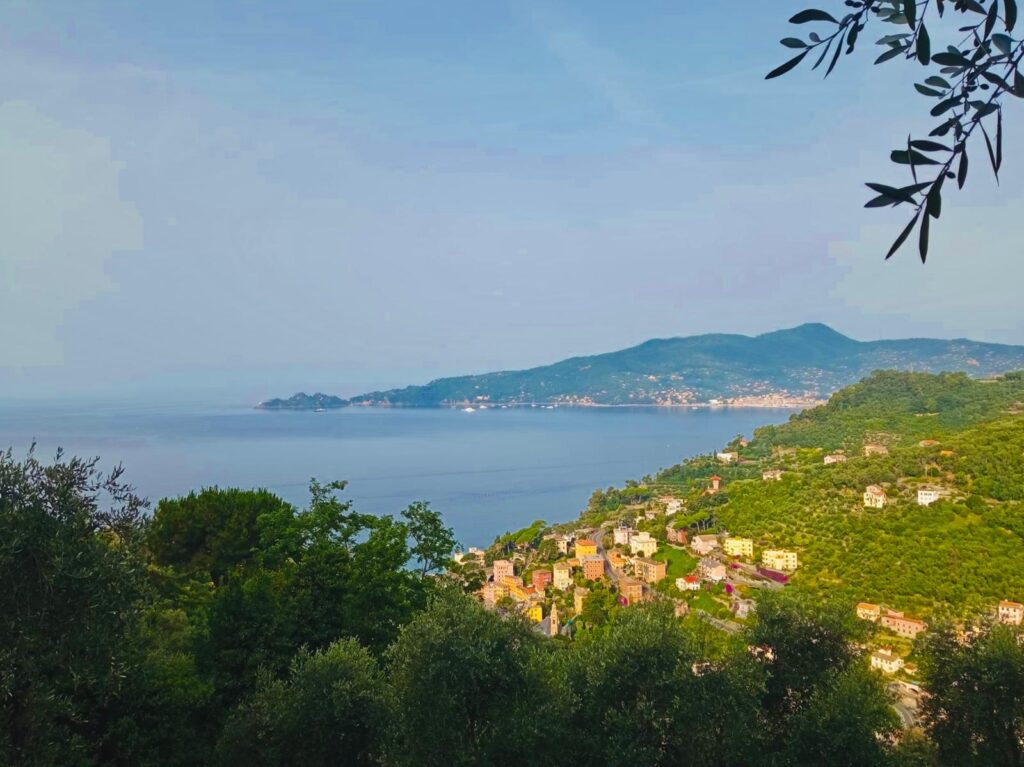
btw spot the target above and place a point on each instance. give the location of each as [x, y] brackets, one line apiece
[893, 620]
[876, 498]
[886, 660]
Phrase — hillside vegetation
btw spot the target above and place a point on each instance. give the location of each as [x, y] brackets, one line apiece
[961, 554]
[232, 629]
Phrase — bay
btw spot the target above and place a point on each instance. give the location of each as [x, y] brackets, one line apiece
[488, 472]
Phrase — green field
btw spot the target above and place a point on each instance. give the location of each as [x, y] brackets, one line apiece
[679, 562]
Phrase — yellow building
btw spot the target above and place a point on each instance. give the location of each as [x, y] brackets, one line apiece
[867, 611]
[779, 559]
[578, 597]
[739, 547]
[535, 612]
[585, 547]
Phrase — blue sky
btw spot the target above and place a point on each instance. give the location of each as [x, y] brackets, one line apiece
[246, 199]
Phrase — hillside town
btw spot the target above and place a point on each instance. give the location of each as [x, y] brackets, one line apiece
[657, 550]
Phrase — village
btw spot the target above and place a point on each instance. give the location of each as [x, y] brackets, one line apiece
[705, 573]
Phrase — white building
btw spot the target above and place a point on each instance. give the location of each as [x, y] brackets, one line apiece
[874, 497]
[711, 569]
[1011, 613]
[673, 507]
[728, 457]
[688, 583]
[621, 535]
[704, 544]
[834, 458]
[562, 575]
[929, 494]
[886, 661]
[642, 544]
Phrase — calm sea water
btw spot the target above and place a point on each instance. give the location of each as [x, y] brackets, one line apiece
[488, 471]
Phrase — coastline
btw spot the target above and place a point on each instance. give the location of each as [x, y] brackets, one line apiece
[780, 403]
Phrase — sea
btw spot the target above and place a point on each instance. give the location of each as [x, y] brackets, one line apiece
[488, 471]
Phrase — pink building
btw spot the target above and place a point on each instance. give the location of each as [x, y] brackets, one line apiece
[541, 579]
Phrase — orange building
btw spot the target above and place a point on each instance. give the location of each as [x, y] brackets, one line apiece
[593, 567]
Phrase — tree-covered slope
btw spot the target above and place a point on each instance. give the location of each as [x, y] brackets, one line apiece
[960, 555]
[807, 362]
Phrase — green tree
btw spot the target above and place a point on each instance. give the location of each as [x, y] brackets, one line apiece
[463, 692]
[806, 641]
[329, 710]
[643, 694]
[73, 590]
[975, 709]
[433, 542]
[846, 722]
[211, 532]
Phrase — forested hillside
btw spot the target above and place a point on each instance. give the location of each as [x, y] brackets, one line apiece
[961, 554]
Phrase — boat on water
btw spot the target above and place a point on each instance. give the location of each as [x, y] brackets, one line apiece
[320, 410]
[469, 410]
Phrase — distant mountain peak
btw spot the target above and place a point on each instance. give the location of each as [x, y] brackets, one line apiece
[810, 331]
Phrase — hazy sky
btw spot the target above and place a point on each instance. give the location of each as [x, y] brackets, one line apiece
[254, 198]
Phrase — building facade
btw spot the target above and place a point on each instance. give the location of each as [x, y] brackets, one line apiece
[779, 559]
[1011, 613]
[874, 497]
[503, 569]
[868, 612]
[704, 544]
[643, 544]
[593, 567]
[739, 547]
[541, 579]
[901, 625]
[562, 575]
[585, 547]
[631, 590]
[649, 570]
[886, 660]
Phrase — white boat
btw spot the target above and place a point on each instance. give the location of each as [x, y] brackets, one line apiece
[469, 410]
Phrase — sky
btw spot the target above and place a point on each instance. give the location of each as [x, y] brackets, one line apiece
[242, 200]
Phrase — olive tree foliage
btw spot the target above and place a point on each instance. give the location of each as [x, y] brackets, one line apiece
[328, 711]
[967, 81]
[73, 591]
[974, 713]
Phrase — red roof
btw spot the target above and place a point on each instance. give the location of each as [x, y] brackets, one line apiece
[716, 477]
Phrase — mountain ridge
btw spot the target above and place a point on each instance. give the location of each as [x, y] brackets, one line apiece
[791, 366]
